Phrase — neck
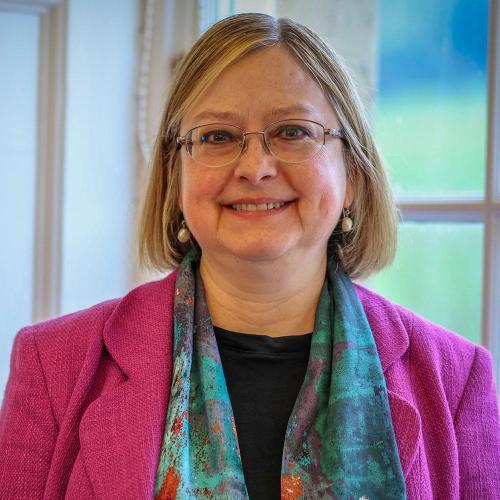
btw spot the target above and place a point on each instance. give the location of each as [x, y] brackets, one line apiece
[275, 298]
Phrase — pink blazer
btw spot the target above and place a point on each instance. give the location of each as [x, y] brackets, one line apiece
[84, 409]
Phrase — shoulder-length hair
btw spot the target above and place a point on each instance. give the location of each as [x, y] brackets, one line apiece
[371, 243]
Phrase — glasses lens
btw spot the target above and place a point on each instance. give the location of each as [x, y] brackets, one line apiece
[214, 145]
[294, 141]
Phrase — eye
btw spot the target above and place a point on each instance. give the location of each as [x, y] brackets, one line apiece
[219, 136]
[291, 132]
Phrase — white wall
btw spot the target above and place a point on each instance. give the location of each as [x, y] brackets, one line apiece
[99, 155]
[18, 143]
[100, 151]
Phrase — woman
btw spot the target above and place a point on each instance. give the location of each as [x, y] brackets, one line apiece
[256, 369]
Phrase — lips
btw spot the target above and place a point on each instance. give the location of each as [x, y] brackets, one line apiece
[257, 207]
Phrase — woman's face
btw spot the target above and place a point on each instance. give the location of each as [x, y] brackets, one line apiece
[263, 87]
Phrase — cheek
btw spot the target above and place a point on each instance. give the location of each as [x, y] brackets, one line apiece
[199, 191]
[328, 190]
[330, 207]
[194, 187]
[328, 185]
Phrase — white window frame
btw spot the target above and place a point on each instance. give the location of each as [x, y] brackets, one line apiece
[491, 267]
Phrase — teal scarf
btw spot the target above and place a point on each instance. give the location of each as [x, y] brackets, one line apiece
[339, 441]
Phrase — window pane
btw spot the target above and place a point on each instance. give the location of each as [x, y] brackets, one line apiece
[437, 274]
[431, 113]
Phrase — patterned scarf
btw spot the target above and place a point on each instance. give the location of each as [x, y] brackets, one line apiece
[339, 441]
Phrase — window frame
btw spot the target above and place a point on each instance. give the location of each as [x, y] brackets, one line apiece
[484, 210]
[491, 266]
[47, 258]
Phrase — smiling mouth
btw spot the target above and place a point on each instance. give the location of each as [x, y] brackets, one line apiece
[257, 207]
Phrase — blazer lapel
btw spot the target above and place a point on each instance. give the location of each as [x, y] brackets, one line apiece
[121, 431]
[391, 338]
[407, 428]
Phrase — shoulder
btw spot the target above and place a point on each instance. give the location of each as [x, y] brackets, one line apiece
[428, 352]
[71, 336]
[442, 392]
[387, 316]
[72, 358]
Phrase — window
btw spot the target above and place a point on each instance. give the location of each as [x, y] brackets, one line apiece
[429, 75]
[431, 124]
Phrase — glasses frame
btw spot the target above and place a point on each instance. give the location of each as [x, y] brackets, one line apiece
[327, 132]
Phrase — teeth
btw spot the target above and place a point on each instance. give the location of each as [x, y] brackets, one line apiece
[251, 207]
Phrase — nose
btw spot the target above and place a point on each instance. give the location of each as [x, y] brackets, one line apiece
[255, 163]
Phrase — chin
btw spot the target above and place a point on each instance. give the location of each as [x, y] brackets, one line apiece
[261, 251]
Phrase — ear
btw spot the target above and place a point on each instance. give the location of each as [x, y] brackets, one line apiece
[180, 201]
[349, 194]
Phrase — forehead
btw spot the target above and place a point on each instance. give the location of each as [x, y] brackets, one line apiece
[266, 85]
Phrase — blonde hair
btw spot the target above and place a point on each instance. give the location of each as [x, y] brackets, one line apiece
[371, 244]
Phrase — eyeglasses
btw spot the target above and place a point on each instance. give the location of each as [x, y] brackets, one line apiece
[291, 141]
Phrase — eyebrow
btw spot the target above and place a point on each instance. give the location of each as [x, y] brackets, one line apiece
[299, 109]
[215, 115]
[274, 114]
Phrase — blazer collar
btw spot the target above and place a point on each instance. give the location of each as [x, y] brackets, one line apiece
[121, 431]
[390, 331]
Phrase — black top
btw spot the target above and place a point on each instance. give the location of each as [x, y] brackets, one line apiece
[263, 376]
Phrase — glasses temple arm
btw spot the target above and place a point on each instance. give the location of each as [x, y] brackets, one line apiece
[335, 132]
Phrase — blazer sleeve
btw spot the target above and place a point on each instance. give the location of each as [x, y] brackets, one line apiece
[478, 431]
[28, 428]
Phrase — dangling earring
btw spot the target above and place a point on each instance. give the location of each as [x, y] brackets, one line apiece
[183, 235]
[346, 223]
